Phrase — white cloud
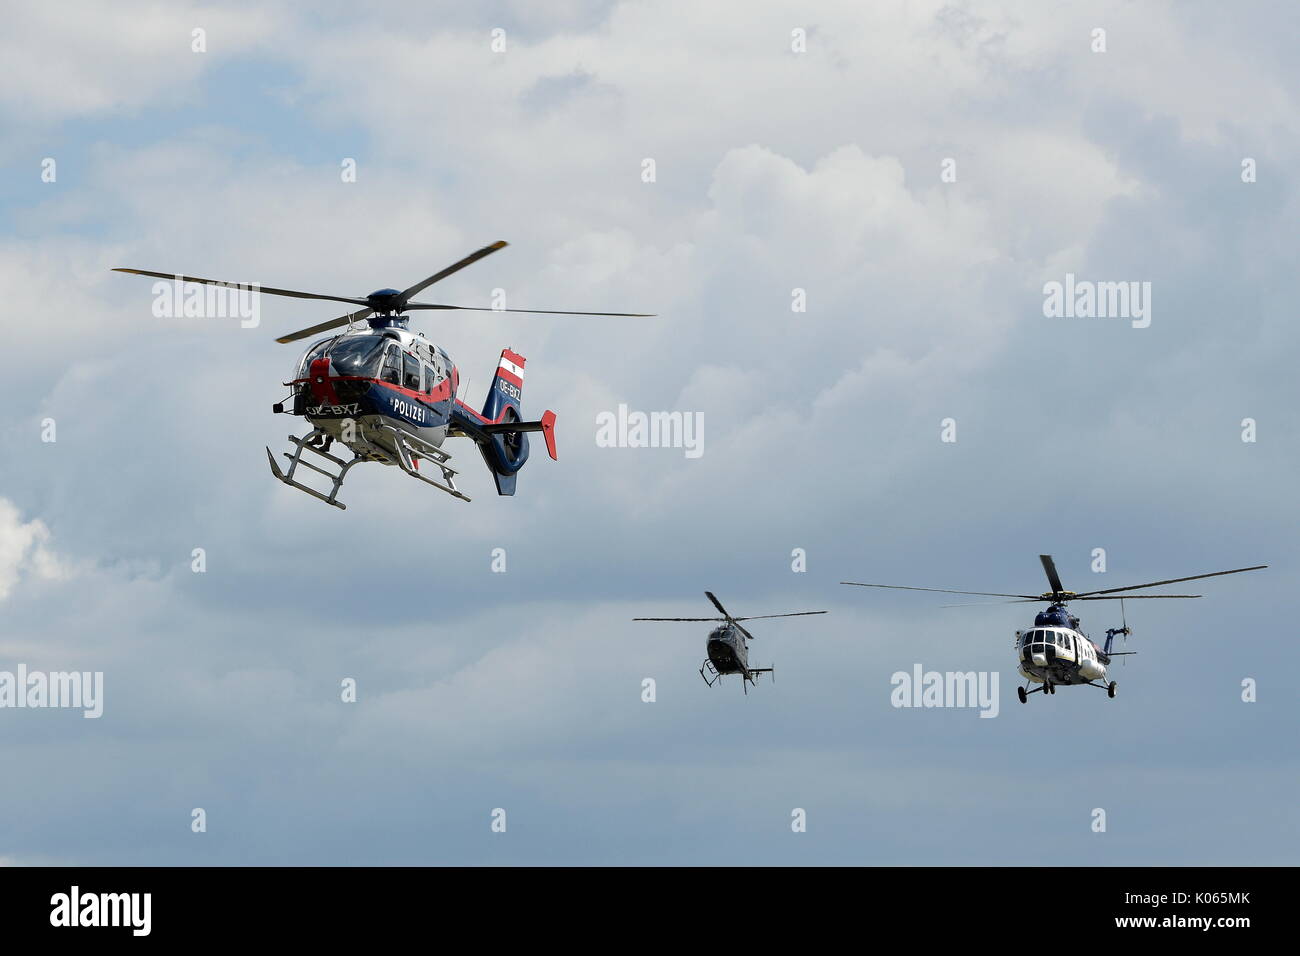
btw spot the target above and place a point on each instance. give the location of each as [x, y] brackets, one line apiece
[78, 59]
[23, 551]
[821, 428]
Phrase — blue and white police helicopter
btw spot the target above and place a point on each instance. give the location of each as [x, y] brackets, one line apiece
[390, 395]
[728, 652]
[1055, 651]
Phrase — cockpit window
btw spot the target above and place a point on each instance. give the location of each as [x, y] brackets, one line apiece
[357, 356]
[1043, 636]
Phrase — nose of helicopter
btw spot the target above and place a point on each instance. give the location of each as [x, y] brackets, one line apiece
[322, 388]
[1039, 659]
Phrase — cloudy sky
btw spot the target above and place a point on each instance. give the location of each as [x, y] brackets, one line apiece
[775, 169]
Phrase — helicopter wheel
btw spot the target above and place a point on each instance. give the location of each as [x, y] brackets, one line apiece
[1110, 690]
[1020, 692]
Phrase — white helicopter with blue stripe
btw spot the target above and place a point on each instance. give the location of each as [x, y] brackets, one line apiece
[1055, 651]
[390, 395]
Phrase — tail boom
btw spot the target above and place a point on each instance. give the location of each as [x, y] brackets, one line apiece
[500, 431]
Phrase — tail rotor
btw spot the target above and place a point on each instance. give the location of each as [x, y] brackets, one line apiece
[1125, 630]
[1122, 631]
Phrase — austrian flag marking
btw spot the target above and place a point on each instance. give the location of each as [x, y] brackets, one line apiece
[511, 367]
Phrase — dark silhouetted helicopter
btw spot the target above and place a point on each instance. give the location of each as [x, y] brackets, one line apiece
[1054, 651]
[727, 648]
[389, 394]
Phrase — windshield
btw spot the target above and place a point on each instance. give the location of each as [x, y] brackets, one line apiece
[313, 353]
[1042, 636]
[357, 356]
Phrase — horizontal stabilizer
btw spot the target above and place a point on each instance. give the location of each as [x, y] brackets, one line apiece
[546, 426]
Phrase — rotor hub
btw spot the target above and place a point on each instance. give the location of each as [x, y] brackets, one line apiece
[385, 301]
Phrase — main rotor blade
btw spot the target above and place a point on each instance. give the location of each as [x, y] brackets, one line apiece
[679, 618]
[1194, 577]
[325, 326]
[1053, 578]
[901, 587]
[1134, 597]
[474, 308]
[718, 605]
[762, 617]
[470, 259]
[1045, 600]
[994, 603]
[261, 288]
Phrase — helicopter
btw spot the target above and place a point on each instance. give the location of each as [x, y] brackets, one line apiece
[1055, 651]
[727, 647]
[390, 395]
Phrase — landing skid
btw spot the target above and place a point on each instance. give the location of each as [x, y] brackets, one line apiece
[410, 450]
[747, 677]
[313, 442]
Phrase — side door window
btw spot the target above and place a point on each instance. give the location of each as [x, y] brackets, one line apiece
[411, 372]
[392, 368]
